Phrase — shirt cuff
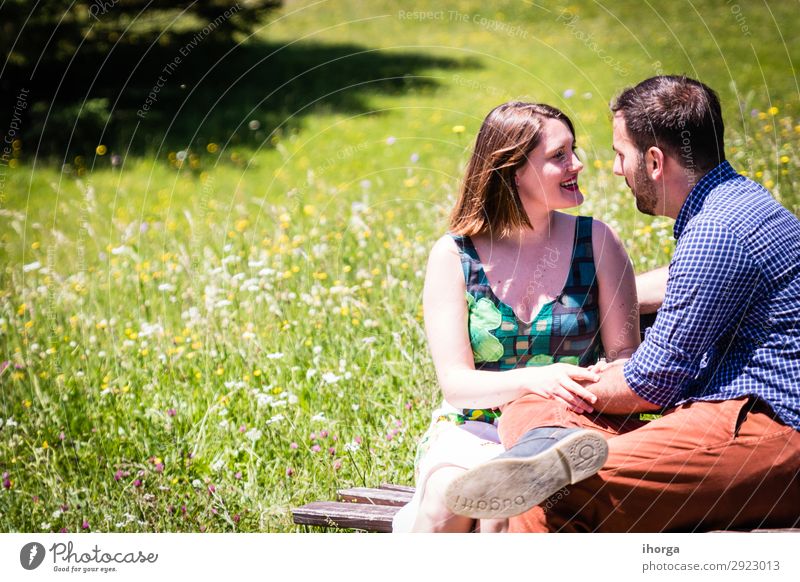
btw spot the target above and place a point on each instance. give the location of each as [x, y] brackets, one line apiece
[641, 377]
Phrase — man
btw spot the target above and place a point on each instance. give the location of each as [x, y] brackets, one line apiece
[721, 363]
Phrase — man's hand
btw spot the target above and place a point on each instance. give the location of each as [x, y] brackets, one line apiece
[614, 396]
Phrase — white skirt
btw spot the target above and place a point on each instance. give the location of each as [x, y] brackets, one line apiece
[447, 444]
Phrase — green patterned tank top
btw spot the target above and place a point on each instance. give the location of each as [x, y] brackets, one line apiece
[566, 329]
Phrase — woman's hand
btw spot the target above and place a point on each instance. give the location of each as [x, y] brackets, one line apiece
[560, 382]
[602, 365]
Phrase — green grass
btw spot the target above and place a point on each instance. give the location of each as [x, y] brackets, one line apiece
[189, 321]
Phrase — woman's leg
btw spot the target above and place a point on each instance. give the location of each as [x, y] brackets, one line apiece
[433, 515]
[492, 526]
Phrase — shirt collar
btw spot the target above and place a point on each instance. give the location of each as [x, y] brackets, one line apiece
[697, 197]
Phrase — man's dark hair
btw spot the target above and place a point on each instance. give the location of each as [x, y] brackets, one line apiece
[679, 115]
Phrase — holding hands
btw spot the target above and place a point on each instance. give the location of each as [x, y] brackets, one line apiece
[561, 382]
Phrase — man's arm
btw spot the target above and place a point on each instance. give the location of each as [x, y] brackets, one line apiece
[614, 396]
[712, 280]
[651, 288]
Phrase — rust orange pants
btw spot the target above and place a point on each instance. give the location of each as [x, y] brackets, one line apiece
[703, 466]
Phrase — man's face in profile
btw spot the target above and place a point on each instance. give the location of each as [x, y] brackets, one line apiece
[629, 163]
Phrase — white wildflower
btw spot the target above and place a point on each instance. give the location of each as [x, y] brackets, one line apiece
[310, 373]
[330, 378]
[352, 447]
[253, 434]
[319, 417]
[120, 250]
[31, 267]
[369, 340]
[166, 287]
[147, 329]
[274, 419]
[275, 356]
[263, 399]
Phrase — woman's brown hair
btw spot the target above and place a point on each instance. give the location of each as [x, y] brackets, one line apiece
[489, 200]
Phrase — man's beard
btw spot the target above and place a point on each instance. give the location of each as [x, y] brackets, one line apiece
[643, 188]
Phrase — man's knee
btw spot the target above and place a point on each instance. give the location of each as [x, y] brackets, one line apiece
[531, 411]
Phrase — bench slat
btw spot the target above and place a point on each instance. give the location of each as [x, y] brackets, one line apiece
[376, 518]
[393, 487]
[375, 496]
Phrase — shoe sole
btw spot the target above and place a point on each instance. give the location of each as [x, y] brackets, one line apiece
[507, 487]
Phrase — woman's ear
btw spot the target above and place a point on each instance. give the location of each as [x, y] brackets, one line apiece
[654, 163]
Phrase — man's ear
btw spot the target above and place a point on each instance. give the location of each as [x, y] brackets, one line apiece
[654, 163]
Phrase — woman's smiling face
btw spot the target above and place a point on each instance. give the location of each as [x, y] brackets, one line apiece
[550, 176]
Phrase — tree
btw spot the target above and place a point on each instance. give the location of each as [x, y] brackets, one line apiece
[84, 63]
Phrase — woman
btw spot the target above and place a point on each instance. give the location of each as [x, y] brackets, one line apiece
[514, 297]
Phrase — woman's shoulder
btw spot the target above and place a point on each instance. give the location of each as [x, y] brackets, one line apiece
[445, 271]
[609, 252]
[445, 248]
[603, 233]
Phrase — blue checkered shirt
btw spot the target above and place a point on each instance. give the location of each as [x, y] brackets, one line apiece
[730, 322]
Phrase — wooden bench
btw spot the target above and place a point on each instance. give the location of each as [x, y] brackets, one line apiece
[372, 510]
[359, 508]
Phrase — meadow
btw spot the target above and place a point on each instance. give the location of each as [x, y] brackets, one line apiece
[201, 334]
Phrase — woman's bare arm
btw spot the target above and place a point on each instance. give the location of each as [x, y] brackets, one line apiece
[619, 310]
[619, 323]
